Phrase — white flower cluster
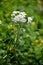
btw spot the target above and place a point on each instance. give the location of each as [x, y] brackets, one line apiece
[18, 16]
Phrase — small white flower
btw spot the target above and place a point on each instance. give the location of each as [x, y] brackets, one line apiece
[23, 14]
[30, 19]
[12, 15]
[23, 20]
[0, 22]
[15, 12]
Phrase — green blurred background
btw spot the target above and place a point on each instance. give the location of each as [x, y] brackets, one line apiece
[31, 54]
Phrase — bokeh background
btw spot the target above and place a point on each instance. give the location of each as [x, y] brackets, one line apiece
[29, 50]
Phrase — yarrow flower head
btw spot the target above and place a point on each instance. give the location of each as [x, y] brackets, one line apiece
[17, 16]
